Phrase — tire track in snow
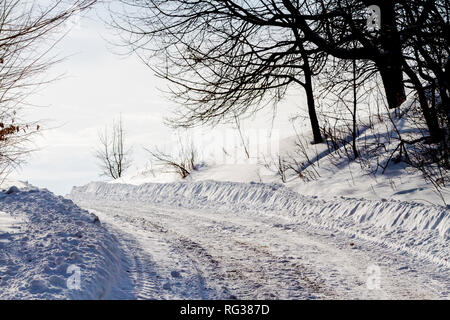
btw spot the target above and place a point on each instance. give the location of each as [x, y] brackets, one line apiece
[152, 260]
[135, 262]
[232, 255]
[219, 274]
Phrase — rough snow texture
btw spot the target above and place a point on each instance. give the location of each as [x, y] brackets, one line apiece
[41, 236]
[416, 229]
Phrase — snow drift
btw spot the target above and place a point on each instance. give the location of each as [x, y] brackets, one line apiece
[419, 229]
[44, 240]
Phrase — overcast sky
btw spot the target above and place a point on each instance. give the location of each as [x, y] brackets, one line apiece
[97, 87]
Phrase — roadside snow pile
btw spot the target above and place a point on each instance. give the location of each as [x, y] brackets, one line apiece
[418, 229]
[52, 249]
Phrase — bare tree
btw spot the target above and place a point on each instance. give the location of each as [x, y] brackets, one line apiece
[14, 144]
[28, 32]
[182, 160]
[112, 153]
[231, 58]
[244, 141]
[222, 65]
[238, 55]
[182, 166]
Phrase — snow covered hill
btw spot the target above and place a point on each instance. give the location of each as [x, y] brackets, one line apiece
[52, 249]
[328, 171]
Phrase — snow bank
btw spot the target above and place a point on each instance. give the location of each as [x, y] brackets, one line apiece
[46, 241]
[422, 230]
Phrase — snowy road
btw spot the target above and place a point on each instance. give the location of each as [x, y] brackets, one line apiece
[179, 253]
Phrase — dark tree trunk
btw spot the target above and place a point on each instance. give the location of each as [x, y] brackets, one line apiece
[444, 87]
[354, 133]
[430, 117]
[390, 61]
[312, 111]
[310, 99]
[393, 83]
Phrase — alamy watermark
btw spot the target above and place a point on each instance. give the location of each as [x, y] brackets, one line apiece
[373, 281]
[227, 146]
[74, 280]
[374, 19]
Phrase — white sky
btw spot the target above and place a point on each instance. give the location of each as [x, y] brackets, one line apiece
[97, 87]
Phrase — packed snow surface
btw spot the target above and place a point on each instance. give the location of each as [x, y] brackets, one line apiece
[218, 240]
[214, 239]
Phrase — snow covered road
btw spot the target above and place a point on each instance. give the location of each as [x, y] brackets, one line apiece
[174, 252]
